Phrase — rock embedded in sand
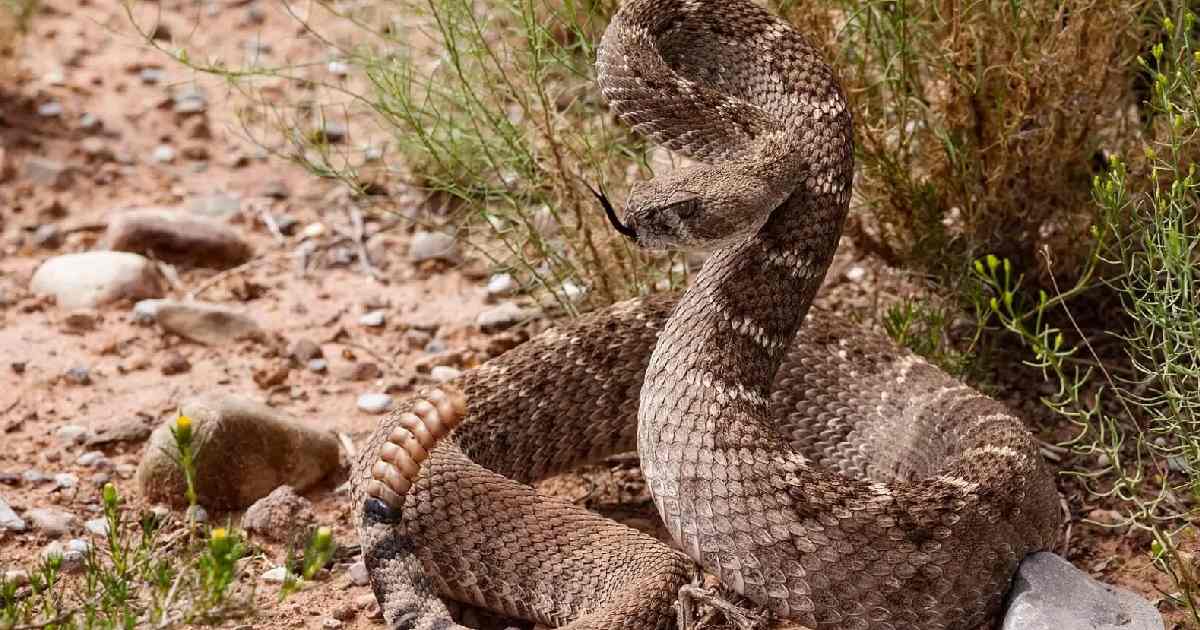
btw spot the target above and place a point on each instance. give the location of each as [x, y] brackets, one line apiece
[91, 279]
[176, 236]
[433, 245]
[52, 522]
[1049, 593]
[282, 515]
[208, 324]
[244, 450]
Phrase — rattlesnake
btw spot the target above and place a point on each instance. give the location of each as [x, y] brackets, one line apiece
[832, 478]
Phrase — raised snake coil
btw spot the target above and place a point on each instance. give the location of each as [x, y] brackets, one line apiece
[818, 470]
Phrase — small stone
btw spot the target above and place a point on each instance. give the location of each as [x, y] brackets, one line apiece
[94, 459]
[163, 154]
[433, 245]
[276, 575]
[856, 274]
[79, 321]
[128, 430]
[282, 515]
[52, 522]
[90, 122]
[1049, 593]
[151, 76]
[65, 481]
[272, 375]
[50, 109]
[338, 68]
[72, 559]
[90, 279]
[78, 376]
[330, 623]
[501, 317]
[358, 574]
[189, 102]
[501, 284]
[573, 292]
[9, 519]
[71, 434]
[196, 514]
[304, 350]
[97, 149]
[97, 526]
[20, 577]
[416, 339]
[444, 373]
[244, 450]
[374, 319]
[145, 312]
[375, 403]
[48, 173]
[317, 366]
[48, 236]
[176, 237]
[35, 476]
[208, 324]
[357, 371]
[313, 230]
[175, 363]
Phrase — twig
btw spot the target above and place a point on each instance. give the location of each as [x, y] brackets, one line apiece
[166, 607]
[215, 279]
[374, 355]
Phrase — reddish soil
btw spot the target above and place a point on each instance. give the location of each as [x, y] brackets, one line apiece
[87, 57]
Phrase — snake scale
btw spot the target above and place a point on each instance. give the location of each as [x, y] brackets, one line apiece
[818, 470]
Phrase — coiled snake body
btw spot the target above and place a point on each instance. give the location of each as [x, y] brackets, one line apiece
[820, 471]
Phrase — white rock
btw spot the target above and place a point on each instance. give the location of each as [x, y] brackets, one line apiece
[66, 481]
[276, 575]
[432, 245]
[501, 284]
[146, 311]
[856, 274]
[90, 279]
[1049, 593]
[375, 403]
[373, 319]
[444, 373]
[358, 574]
[97, 526]
[163, 154]
[9, 519]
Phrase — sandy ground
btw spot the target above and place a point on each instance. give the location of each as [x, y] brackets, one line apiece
[86, 58]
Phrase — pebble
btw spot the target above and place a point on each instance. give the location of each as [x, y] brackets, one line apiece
[66, 481]
[146, 311]
[502, 316]
[313, 230]
[357, 371]
[96, 148]
[175, 363]
[572, 291]
[318, 366]
[373, 319]
[52, 522]
[281, 516]
[97, 526]
[151, 76]
[304, 350]
[375, 403]
[48, 236]
[444, 373]
[9, 519]
[190, 101]
[163, 154]
[35, 476]
[71, 434]
[856, 274]
[118, 430]
[18, 577]
[50, 109]
[94, 459]
[276, 575]
[358, 574]
[196, 514]
[245, 450]
[91, 279]
[338, 68]
[90, 122]
[78, 376]
[433, 245]
[501, 284]
[72, 555]
[1049, 593]
[207, 324]
[331, 623]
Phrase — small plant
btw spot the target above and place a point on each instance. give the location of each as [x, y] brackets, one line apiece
[182, 434]
[317, 553]
[922, 326]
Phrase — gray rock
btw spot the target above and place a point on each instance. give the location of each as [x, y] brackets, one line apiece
[48, 236]
[151, 76]
[35, 476]
[275, 576]
[501, 284]
[358, 574]
[146, 311]
[48, 173]
[90, 122]
[216, 205]
[444, 373]
[163, 154]
[282, 515]
[375, 403]
[317, 366]
[65, 481]
[502, 316]
[90, 279]
[433, 245]
[52, 522]
[78, 376]
[1049, 593]
[50, 109]
[304, 350]
[373, 319]
[72, 557]
[208, 324]
[176, 237]
[190, 100]
[123, 429]
[196, 514]
[94, 459]
[9, 519]
[72, 434]
[97, 526]
[244, 451]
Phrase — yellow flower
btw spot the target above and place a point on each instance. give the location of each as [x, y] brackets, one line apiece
[183, 423]
[219, 533]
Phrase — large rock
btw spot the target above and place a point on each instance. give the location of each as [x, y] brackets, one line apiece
[1049, 593]
[244, 450]
[208, 324]
[89, 279]
[177, 237]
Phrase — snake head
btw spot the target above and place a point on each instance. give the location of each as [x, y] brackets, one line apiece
[699, 207]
